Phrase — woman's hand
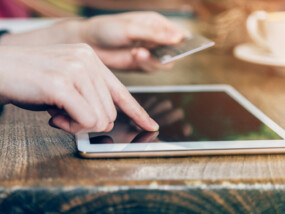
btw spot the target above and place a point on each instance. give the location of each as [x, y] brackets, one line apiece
[71, 83]
[126, 29]
[122, 41]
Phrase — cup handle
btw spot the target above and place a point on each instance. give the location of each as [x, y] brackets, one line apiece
[253, 28]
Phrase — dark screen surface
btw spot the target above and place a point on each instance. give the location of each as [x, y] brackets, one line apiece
[188, 116]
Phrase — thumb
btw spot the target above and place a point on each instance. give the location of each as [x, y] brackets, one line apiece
[117, 58]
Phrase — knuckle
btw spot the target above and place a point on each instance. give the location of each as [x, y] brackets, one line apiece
[59, 82]
[121, 99]
[110, 127]
[90, 123]
[121, 93]
[83, 50]
[58, 96]
[61, 94]
[102, 125]
[112, 115]
[75, 66]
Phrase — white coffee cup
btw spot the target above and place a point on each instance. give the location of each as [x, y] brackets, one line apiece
[267, 30]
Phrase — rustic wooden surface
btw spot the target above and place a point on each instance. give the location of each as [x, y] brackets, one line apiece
[41, 172]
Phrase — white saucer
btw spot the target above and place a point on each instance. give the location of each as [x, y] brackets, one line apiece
[254, 54]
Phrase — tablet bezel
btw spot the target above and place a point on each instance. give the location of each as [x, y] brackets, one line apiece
[188, 148]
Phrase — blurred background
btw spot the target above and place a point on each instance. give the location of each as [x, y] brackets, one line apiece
[221, 20]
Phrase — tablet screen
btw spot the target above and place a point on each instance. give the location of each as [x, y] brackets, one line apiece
[186, 117]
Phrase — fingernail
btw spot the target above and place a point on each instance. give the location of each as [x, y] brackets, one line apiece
[143, 54]
[154, 125]
[175, 38]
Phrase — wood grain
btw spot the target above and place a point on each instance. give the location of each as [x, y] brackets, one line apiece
[143, 200]
[40, 171]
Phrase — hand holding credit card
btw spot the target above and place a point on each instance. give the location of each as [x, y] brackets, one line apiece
[190, 45]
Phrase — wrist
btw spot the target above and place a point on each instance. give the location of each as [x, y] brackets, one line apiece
[3, 99]
[62, 32]
[70, 30]
[88, 29]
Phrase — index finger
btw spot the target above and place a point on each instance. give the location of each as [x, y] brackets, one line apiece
[128, 104]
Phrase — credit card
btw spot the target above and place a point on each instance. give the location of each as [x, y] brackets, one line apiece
[190, 45]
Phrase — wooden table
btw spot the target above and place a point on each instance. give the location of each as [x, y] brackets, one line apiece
[40, 171]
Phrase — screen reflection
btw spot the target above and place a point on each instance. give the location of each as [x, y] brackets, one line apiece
[188, 116]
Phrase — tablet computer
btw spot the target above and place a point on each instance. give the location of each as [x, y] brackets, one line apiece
[194, 120]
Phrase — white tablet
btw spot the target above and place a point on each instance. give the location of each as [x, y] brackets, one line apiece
[194, 120]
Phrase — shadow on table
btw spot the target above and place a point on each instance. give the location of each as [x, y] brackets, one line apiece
[1, 109]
